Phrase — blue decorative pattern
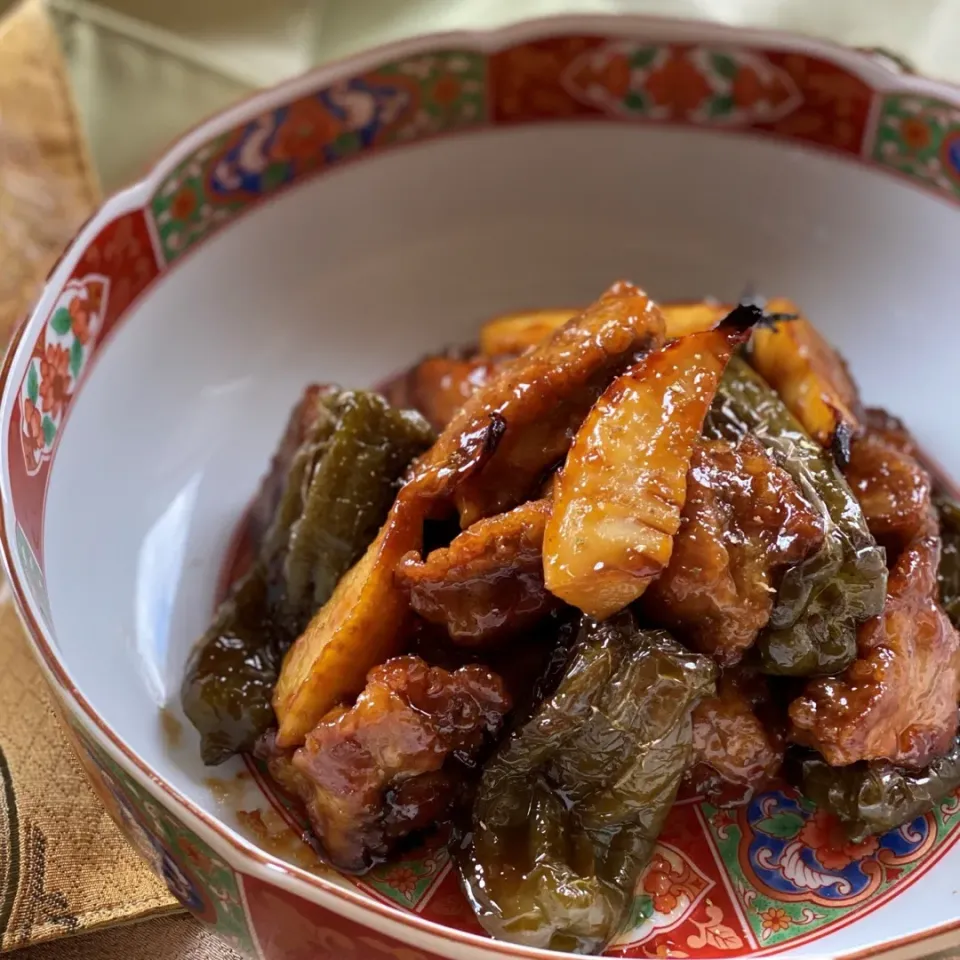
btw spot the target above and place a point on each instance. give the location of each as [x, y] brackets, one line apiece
[400, 102]
[794, 850]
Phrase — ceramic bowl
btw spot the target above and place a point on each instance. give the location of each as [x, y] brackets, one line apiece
[335, 228]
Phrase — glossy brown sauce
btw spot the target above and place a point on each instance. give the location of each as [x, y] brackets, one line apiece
[272, 833]
[171, 727]
[263, 824]
[228, 792]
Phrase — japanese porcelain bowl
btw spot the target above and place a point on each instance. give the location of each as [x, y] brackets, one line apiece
[335, 228]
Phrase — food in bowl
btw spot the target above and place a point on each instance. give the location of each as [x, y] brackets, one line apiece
[541, 588]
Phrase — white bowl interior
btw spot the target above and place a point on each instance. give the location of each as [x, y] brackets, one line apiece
[350, 276]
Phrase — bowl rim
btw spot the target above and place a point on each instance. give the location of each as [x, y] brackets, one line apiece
[880, 69]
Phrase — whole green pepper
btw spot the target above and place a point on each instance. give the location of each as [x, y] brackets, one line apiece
[875, 797]
[948, 510]
[349, 495]
[231, 674]
[273, 550]
[820, 601]
[570, 806]
[337, 491]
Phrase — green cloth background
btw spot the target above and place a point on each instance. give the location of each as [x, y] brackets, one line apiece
[144, 70]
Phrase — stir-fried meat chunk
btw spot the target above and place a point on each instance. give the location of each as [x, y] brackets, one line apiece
[406, 807]
[541, 398]
[891, 429]
[513, 333]
[439, 386]
[892, 488]
[529, 665]
[488, 583]
[374, 772]
[898, 700]
[738, 746]
[743, 522]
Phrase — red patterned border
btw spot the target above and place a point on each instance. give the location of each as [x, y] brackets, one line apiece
[550, 80]
[122, 255]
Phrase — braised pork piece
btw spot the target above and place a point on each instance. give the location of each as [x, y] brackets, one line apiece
[745, 521]
[395, 761]
[544, 584]
[739, 738]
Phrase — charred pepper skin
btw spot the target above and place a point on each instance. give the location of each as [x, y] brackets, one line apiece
[348, 496]
[812, 629]
[876, 797]
[569, 808]
[230, 676]
[948, 512]
[339, 487]
[231, 673]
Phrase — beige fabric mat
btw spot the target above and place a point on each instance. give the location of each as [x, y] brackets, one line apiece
[47, 185]
[168, 938]
[74, 873]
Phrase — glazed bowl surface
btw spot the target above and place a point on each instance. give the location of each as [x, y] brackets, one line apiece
[337, 227]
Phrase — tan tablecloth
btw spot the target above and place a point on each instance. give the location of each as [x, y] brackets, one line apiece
[64, 867]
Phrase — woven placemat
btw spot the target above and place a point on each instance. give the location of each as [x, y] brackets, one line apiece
[47, 185]
[167, 938]
[64, 867]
